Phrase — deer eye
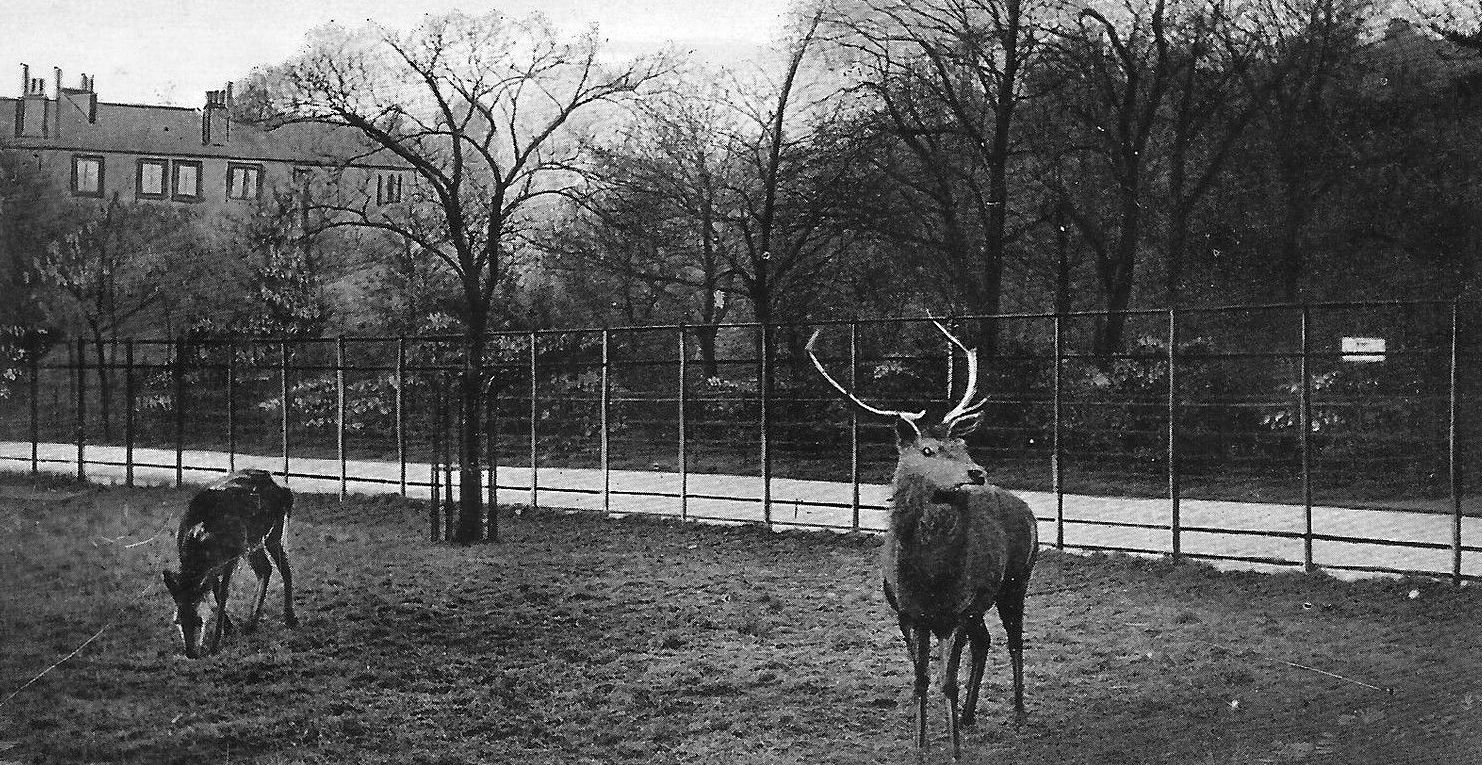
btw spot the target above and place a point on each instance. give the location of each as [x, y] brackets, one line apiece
[927, 451]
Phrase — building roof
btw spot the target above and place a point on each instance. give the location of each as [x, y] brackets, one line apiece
[176, 131]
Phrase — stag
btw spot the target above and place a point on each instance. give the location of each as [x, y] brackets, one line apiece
[954, 548]
[240, 516]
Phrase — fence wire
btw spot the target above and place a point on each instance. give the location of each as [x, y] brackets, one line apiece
[1290, 410]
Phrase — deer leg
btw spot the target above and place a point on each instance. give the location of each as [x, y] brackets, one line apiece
[220, 589]
[949, 687]
[910, 643]
[274, 547]
[921, 658]
[1011, 611]
[978, 640]
[263, 570]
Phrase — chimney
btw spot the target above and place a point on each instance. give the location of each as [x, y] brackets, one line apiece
[75, 104]
[215, 119]
[57, 120]
[31, 107]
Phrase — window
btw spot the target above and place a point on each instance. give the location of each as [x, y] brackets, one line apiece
[243, 181]
[87, 175]
[150, 182]
[388, 188]
[186, 185]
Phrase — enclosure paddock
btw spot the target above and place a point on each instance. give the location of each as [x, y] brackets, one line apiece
[584, 640]
[1347, 542]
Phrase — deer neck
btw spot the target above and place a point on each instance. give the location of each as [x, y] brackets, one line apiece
[921, 516]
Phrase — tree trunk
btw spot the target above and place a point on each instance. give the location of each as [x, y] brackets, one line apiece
[1116, 278]
[470, 469]
[705, 336]
[1110, 330]
[1294, 216]
[105, 408]
[1178, 239]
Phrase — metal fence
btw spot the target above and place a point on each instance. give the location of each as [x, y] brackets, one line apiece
[1287, 406]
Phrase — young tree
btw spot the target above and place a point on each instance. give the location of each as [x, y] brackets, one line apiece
[486, 111]
[107, 270]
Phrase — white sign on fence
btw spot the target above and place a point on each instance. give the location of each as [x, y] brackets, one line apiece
[1363, 349]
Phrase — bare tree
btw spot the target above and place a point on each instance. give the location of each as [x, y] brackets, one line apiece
[486, 112]
[1120, 69]
[1304, 124]
[946, 79]
[726, 193]
[648, 221]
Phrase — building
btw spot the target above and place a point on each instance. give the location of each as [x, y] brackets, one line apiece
[92, 149]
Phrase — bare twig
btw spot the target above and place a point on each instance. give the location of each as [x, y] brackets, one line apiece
[59, 663]
[1389, 691]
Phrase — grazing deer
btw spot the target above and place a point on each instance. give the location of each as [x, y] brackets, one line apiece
[955, 547]
[241, 516]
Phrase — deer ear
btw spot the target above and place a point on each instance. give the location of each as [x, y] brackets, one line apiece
[962, 427]
[905, 432]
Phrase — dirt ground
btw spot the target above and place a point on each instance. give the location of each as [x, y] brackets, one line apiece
[584, 640]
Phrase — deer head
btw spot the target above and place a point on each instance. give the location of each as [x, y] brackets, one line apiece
[192, 608]
[933, 459]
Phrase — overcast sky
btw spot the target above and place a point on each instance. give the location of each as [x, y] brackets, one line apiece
[172, 51]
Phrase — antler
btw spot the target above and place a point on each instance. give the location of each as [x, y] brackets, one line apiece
[965, 407]
[909, 417]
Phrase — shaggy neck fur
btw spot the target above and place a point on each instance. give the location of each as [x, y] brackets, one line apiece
[921, 516]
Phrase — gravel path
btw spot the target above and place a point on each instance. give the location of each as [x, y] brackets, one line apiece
[824, 503]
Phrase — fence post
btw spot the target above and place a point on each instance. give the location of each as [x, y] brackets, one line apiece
[81, 371]
[179, 406]
[604, 444]
[854, 427]
[231, 406]
[339, 418]
[1452, 451]
[129, 412]
[684, 472]
[534, 435]
[491, 441]
[1173, 485]
[401, 434]
[35, 412]
[435, 479]
[763, 378]
[1305, 416]
[1057, 453]
[283, 399]
[452, 445]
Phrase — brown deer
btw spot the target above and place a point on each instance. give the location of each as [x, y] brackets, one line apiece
[954, 548]
[241, 516]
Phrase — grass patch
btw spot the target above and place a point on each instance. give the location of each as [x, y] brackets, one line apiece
[580, 640]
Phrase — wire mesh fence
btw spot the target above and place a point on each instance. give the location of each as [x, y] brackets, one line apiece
[1210, 424]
